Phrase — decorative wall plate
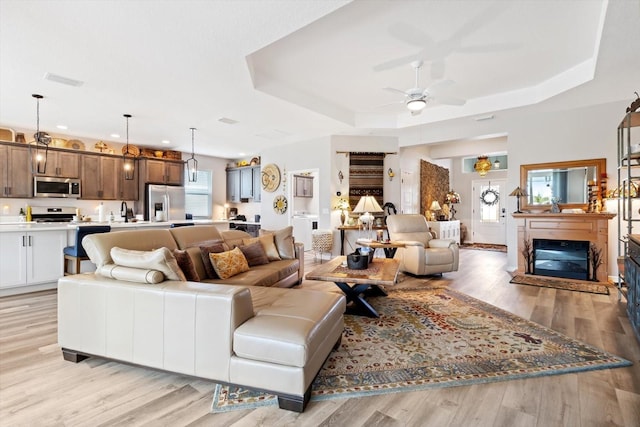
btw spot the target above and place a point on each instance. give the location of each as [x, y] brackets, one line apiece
[280, 204]
[75, 144]
[271, 178]
[133, 150]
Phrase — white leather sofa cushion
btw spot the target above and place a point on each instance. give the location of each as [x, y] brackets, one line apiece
[438, 256]
[287, 329]
[130, 274]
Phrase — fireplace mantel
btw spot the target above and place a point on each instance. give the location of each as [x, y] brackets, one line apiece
[593, 227]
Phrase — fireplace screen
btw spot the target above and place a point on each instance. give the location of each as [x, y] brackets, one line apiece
[561, 258]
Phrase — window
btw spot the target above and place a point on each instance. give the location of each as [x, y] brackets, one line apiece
[198, 195]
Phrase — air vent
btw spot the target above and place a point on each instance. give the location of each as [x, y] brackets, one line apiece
[227, 120]
[63, 80]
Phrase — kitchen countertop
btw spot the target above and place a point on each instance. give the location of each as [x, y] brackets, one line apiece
[54, 226]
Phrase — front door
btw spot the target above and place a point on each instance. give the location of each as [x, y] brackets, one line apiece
[489, 211]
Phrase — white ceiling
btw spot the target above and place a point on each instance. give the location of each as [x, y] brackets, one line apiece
[290, 70]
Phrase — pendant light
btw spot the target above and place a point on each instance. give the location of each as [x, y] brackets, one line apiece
[42, 141]
[192, 163]
[128, 157]
[483, 165]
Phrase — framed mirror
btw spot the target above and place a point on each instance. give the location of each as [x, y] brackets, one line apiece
[566, 181]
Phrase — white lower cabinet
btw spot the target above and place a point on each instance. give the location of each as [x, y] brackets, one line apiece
[31, 258]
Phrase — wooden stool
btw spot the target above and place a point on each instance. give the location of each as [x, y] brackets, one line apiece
[77, 253]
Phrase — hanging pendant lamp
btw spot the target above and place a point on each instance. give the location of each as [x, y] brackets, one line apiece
[192, 163]
[482, 165]
[128, 157]
[41, 145]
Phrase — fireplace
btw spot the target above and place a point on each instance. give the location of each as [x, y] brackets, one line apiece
[561, 258]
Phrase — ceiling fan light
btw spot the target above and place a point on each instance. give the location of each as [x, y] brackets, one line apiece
[416, 104]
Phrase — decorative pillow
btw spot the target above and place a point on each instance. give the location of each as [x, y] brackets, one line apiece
[186, 265]
[229, 263]
[254, 253]
[205, 250]
[284, 241]
[130, 274]
[160, 259]
[268, 244]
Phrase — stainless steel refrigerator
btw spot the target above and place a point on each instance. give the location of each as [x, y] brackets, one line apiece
[164, 203]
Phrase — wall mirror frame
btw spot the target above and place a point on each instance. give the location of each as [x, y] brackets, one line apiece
[594, 168]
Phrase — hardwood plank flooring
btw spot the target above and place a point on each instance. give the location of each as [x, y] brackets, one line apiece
[38, 388]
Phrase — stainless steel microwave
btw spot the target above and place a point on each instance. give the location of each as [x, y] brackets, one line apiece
[49, 186]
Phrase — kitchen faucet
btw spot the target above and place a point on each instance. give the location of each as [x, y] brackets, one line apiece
[123, 211]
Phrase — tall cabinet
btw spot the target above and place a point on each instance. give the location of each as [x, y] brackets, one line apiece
[628, 195]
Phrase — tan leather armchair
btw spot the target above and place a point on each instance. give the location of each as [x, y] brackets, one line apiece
[422, 253]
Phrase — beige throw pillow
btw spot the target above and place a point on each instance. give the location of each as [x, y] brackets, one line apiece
[229, 263]
[160, 259]
[130, 274]
[284, 241]
[268, 244]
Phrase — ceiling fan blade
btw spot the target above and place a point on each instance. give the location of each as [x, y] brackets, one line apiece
[392, 89]
[411, 35]
[437, 69]
[496, 47]
[395, 63]
[437, 86]
[450, 100]
[416, 112]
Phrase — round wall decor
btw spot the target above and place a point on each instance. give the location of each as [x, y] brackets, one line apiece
[280, 204]
[490, 197]
[270, 178]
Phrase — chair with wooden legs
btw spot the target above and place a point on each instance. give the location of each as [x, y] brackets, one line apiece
[76, 253]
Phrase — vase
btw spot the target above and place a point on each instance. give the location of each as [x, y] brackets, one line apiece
[342, 218]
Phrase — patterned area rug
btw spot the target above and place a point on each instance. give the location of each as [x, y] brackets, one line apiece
[558, 283]
[429, 338]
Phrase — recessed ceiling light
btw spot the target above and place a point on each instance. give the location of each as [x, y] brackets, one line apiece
[61, 126]
[63, 80]
[227, 120]
[115, 135]
[242, 154]
[166, 141]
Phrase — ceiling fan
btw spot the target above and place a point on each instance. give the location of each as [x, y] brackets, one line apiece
[417, 98]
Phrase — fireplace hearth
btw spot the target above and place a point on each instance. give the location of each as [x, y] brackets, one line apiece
[561, 258]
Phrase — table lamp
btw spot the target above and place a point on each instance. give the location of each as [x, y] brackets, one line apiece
[518, 192]
[435, 207]
[365, 206]
[343, 205]
[453, 198]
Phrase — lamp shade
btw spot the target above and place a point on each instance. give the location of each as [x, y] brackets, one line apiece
[518, 192]
[367, 204]
[482, 165]
[435, 206]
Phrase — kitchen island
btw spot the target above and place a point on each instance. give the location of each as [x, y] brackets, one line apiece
[31, 253]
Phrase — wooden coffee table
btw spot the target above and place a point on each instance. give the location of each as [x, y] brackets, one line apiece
[389, 247]
[357, 283]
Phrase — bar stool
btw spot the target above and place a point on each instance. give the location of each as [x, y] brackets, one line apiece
[321, 241]
[77, 253]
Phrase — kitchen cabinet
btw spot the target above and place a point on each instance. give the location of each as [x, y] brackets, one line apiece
[15, 172]
[127, 188]
[31, 258]
[64, 164]
[246, 183]
[233, 185]
[257, 184]
[303, 185]
[100, 177]
[154, 171]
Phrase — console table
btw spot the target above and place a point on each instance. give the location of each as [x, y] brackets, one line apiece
[344, 228]
[446, 229]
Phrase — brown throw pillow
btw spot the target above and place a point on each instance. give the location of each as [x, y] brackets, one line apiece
[229, 263]
[284, 241]
[205, 250]
[186, 265]
[268, 244]
[254, 253]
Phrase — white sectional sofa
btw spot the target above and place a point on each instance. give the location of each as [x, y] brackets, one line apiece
[268, 338]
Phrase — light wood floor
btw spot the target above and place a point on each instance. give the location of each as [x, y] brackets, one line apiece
[38, 388]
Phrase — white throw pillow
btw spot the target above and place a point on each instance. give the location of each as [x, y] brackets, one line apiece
[160, 259]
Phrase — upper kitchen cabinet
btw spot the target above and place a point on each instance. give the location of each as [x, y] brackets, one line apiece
[303, 185]
[257, 184]
[246, 183]
[127, 188]
[100, 177]
[15, 171]
[233, 185]
[153, 171]
[63, 164]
